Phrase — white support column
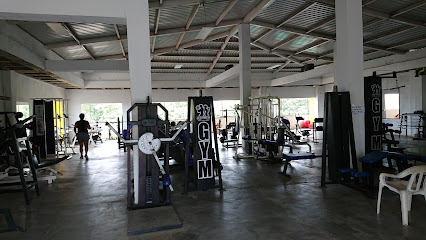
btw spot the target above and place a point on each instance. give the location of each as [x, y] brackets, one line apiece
[349, 61]
[139, 57]
[319, 101]
[245, 65]
[139, 66]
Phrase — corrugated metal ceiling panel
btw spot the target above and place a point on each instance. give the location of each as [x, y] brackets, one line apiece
[298, 43]
[390, 6]
[401, 37]
[328, 46]
[220, 30]
[166, 41]
[240, 9]
[275, 37]
[278, 11]
[209, 12]
[187, 52]
[417, 13]
[104, 49]
[172, 17]
[182, 59]
[72, 53]
[380, 28]
[311, 16]
[43, 33]
[92, 30]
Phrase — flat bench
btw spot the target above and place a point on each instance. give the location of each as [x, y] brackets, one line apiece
[292, 156]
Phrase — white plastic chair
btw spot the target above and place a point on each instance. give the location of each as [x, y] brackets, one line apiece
[405, 189]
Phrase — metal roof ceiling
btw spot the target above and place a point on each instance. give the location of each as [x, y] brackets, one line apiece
[387, 35]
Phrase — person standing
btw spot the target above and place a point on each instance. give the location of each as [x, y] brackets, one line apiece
[83, 127]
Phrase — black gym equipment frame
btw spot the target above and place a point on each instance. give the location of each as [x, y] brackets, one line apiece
[338, 137]
[9, 133]
[149, 191]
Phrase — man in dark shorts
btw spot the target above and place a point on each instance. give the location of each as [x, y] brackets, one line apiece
[83, 127]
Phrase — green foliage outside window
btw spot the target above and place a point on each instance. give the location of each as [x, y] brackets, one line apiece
[295, 106]
[103, 112]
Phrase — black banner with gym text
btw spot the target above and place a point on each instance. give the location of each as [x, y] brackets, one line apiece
[202, 136]
[373, 113]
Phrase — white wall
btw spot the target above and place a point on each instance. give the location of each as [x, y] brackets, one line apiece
[411, 96]
[24, 89]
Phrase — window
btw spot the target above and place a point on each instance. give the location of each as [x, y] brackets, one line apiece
[295, 106]
[24, 109]
[392, 105]
[177, 111]
[102, 112]
[221, 106]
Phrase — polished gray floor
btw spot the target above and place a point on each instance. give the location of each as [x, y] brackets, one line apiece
[89, 202]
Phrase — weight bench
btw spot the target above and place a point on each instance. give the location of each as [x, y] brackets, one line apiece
[291, 156]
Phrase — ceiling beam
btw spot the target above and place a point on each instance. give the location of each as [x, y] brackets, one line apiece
[156, 23]
[282, 66]
[407, 42]
[121, 42]
[320, 24]
[73, 35]
[256, 10]
[85, 42]
[191, 17]
[374, 21]
[387, 34]
[318, 35]
[408, 8]
[177, 3]
[247, 18]
[231, 33]
[262, 35]
[381, 14]
[366, 2]
[227, 9]
[188, 24]
[189, 44]
[160, 32]
[223, 77]
[283, 42]
[309, 46]
[294, 13]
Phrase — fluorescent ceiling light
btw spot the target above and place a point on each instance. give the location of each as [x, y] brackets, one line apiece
[204, 33]
[179, 66]
[272, 67]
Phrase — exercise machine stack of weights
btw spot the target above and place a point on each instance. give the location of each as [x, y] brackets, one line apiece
[148, 182]
[260, 135]
[206, 165]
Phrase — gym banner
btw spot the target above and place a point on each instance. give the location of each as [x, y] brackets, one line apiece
[202, 136]
[373, 113]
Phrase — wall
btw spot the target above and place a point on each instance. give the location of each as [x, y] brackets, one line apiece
[411, 96]
[24, 89]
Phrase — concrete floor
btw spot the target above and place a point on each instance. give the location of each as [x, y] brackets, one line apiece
[89, 202]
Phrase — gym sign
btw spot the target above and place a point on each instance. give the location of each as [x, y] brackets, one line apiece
[205, 164]
[373, 113]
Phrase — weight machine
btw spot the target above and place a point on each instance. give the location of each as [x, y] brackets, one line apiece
[264, 115]
[14, 143]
